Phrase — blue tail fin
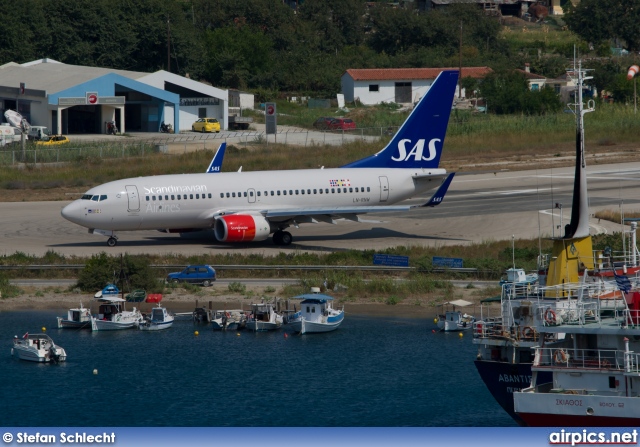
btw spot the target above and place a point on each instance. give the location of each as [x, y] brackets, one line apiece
[438, 196]
[216, 162]
[418, 142]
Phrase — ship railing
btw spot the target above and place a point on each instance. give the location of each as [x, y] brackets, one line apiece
[632, 363]
[609, 311]
[586, 359]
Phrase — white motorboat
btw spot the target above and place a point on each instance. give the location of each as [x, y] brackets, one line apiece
[112, 316]
[37, 348]
[77, 318]
[454, 320]
[160, 318]
[316, 314]
[231, 320]
[263, 317]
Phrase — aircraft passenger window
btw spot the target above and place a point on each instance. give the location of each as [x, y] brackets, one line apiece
[368, 189]
[222, 195]
[338, 190]
[278, 192]
[228, 195]
[250, 193]
[291, 192]
[173, 197]
[315, 191]
[356, 189]
[333, 190]
[178, 196]
[297, 192]
[284, 192]
[326, 190]
[344, 190]
[197, 196]
[95, 198]
[103, 197]
[191, 196]
[302, 191]
[308, 191]
[233, 194]
[153, 198]
[209, 195]
[147, 198]
[272, 193]
[350, 189]
[245, 194]
[166, 197]
[258, 193]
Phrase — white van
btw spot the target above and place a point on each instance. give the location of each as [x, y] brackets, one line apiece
[38, 132]
[8, 135]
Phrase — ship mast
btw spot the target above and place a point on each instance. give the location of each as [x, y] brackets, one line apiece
[579, 225]
[573, 253]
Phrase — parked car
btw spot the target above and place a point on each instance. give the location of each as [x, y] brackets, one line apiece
[194, 274]
[323, 122]
[206, 125]
[342, 124]
[53, 140]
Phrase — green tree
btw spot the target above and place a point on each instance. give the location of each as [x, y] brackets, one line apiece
[597, 21]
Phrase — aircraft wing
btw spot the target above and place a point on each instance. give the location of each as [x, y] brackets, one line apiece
[328, 214]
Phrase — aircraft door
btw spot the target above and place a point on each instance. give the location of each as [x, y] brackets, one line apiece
[134, 199]
[384, 188]
[251, 195]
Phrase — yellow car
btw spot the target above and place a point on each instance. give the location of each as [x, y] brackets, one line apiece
[206, 125]
[53, 140]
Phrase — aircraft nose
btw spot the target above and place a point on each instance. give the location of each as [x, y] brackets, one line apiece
[70, 212]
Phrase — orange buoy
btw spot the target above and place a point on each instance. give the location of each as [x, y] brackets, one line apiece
[633, 70]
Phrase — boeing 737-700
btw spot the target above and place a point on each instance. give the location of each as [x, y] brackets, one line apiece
[250, 206]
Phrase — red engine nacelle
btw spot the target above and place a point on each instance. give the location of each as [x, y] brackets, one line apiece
[241, 228]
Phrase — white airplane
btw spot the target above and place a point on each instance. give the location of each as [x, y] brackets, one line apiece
[250, 206]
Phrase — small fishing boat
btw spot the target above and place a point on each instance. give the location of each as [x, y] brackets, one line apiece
[454, 320]
[518, 277]
[109, 290]
[37, 348]
[263, 317]
[137, 296]
[113, 316]
[77, 318]
[228, 320]
[160, 318]
[316, 314]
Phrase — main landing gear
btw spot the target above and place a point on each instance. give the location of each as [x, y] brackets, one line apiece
[112, 241]
[282, 238]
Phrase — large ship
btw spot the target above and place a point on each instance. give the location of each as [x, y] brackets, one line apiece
[505, 342]
[594, 366]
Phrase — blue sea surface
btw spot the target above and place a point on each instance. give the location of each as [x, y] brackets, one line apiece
[371, 372]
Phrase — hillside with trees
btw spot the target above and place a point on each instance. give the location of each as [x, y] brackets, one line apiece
[266, 47]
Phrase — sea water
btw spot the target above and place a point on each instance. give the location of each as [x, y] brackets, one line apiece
[371, 372]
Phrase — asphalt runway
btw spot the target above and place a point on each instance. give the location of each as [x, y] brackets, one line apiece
[479, 207]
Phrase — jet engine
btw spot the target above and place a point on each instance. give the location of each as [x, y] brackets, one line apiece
[241, 228]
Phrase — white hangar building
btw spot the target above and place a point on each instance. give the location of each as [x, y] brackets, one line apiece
[400, 85]
[73, 99]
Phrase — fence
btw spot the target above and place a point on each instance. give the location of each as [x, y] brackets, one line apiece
[136, 147]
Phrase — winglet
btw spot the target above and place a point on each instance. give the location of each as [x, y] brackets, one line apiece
[216, 162]
[438, 197]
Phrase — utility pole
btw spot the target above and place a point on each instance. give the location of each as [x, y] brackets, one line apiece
[460, 63]
[168, 46]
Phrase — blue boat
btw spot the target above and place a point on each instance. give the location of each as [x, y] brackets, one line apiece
[316, 314]
[109, 290]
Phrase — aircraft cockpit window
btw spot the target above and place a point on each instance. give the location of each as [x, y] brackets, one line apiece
[95, 198]
[103, 197]
[86, 197]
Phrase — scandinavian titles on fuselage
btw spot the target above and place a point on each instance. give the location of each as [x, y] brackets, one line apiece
[174, 189]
